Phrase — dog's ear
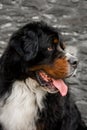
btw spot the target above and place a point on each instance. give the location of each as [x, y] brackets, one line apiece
[26, 45]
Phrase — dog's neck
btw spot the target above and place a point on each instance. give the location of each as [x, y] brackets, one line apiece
[20, 111]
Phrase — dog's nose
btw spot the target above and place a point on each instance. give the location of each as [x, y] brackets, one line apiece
[72, 60]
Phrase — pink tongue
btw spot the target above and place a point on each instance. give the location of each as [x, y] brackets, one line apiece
[61, 86]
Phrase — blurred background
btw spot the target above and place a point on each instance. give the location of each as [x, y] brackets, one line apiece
[70, 17]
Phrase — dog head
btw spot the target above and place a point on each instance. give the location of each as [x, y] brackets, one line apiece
[37, 51]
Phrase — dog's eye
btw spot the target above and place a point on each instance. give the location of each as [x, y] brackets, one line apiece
[50, 49]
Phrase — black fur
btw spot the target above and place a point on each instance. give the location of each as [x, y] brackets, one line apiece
[61, 114]
[27, 48]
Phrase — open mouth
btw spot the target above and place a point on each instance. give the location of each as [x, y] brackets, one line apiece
[50, 84]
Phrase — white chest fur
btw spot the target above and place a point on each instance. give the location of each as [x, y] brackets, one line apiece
[21, 108]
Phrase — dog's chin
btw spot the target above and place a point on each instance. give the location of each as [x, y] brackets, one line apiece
[50, 84]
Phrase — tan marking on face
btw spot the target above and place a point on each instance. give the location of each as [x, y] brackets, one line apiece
[55, 41]
[57, 70]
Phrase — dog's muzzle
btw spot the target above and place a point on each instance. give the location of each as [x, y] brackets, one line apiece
[73, 62]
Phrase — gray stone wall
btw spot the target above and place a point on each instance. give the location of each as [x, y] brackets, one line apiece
[70, 16]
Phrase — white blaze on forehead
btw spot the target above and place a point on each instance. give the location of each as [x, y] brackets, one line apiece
[71, 50]
[68, 56]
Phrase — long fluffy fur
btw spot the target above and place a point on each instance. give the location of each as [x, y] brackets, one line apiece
[24, 105]
[20, 111]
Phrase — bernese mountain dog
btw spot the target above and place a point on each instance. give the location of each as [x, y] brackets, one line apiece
[33, 92]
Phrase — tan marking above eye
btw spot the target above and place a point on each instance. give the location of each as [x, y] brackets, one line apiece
[55, 41]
